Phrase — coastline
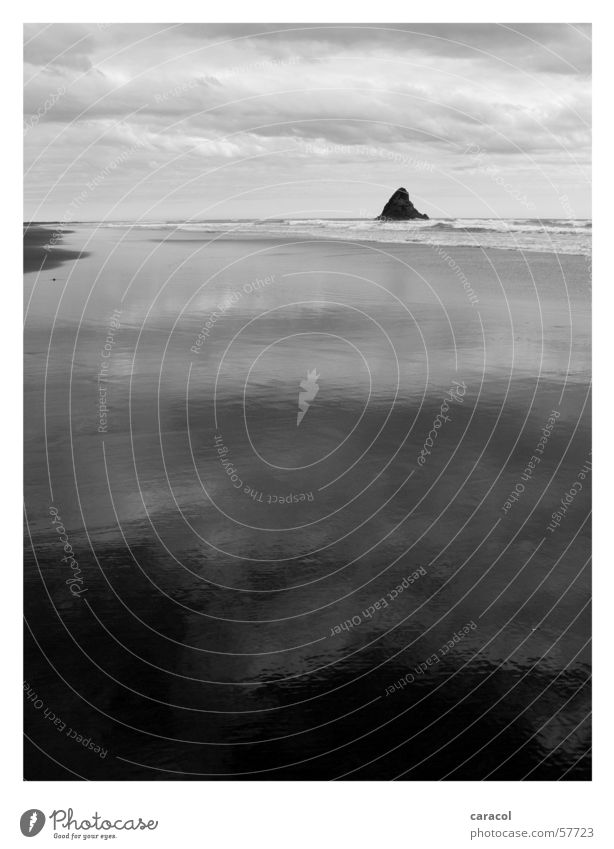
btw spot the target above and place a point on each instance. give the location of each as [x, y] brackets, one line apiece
[565, 241]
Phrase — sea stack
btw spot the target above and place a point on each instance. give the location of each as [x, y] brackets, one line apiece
[400, 208]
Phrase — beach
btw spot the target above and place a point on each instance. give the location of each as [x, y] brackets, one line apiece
[396, 587]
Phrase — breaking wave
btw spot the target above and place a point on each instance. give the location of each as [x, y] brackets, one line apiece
[551, 235]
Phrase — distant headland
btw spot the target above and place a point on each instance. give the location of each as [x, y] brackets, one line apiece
[400, 208]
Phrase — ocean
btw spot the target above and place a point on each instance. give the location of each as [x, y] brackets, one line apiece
[551, 235]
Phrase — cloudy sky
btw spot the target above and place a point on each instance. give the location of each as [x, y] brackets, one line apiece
[197, 121]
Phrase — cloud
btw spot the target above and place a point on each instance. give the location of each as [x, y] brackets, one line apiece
[59, 46]
[220, 94]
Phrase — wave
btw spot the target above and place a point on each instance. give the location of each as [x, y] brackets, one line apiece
[552, 235]
[527, 225]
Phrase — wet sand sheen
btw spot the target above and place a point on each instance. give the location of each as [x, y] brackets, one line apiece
[211, 610]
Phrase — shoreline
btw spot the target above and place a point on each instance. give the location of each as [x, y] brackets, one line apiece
[35, 248]
[39, 256]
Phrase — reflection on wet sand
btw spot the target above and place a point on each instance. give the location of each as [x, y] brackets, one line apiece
[244, 631]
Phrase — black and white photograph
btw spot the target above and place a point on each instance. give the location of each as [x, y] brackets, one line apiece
[307, 414]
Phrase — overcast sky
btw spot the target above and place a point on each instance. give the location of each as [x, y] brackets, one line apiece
[178, 121]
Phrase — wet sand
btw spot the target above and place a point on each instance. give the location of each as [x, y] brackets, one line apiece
[232, 631]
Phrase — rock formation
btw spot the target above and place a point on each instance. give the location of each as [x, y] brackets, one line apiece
[400, 208]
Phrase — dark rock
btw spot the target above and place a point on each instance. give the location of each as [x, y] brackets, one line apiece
[400, 208]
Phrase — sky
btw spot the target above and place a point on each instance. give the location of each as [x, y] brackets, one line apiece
[214, 121]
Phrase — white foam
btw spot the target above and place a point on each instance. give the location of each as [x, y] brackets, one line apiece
[569, 236]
